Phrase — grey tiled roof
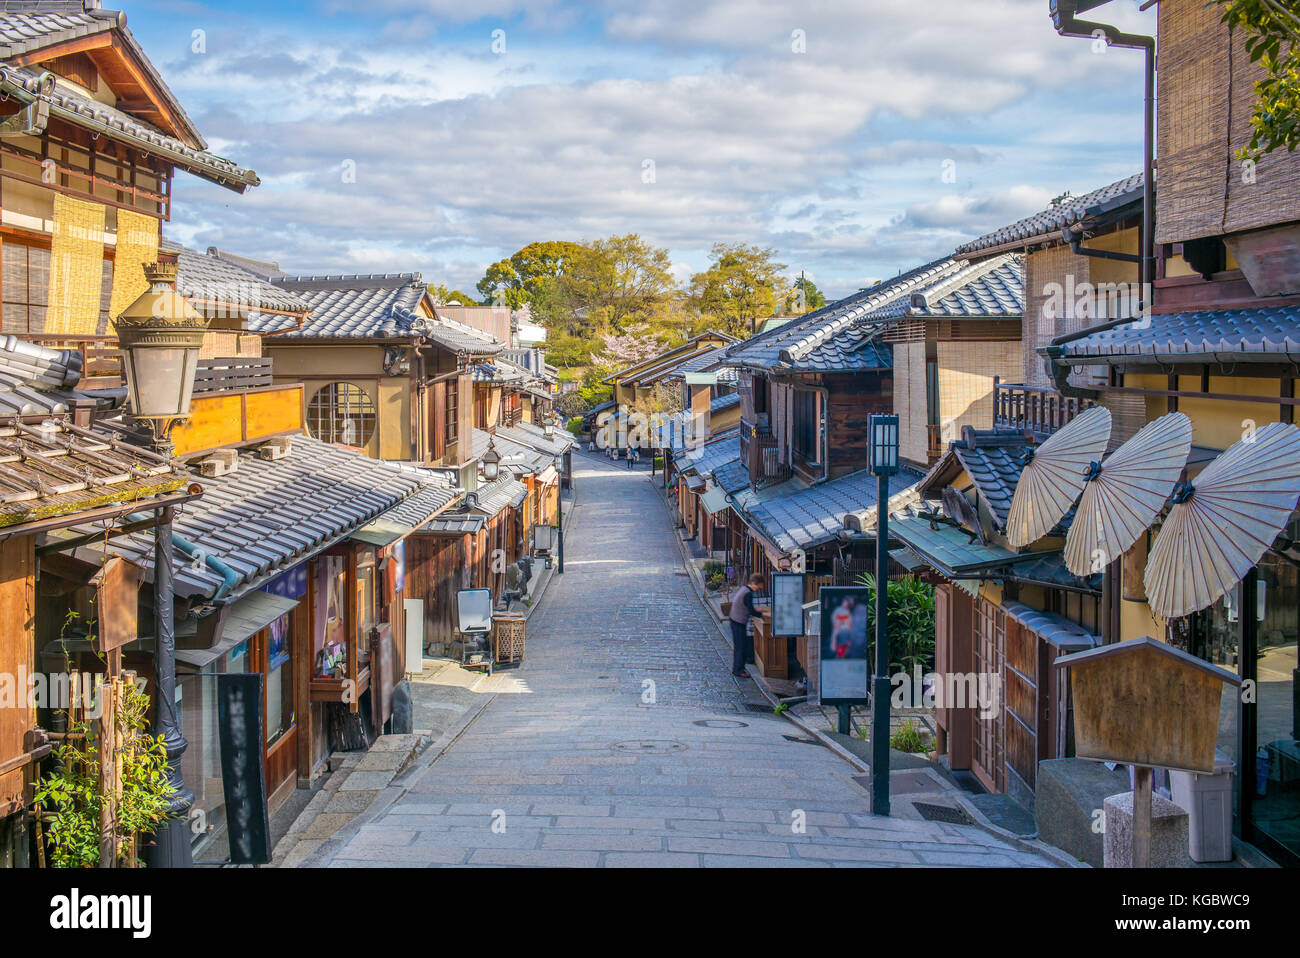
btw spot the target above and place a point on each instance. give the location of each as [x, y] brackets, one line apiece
[813, 515]
[1056, 218]
[528, 434]
[843, 337]
[506, 492]
[68, 104]
[356, 307]
[711, 455]
[731, 476]
[723, 403]
[499, 371]
[268, 516]
[30, 25]
[221, 279]
[706, 361]
[995, 470]
[409, 514]
[37, 381]
[1233, 335]
[789, 344]
[994, 287]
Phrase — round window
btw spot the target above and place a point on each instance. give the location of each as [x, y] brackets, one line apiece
[341, 413]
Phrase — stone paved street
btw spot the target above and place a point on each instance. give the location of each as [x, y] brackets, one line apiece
[624, 740]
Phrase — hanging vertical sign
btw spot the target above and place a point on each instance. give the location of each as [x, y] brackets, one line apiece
[243, 767]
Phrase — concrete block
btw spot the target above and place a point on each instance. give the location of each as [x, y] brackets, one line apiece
[1168, 833]
[1069, 794]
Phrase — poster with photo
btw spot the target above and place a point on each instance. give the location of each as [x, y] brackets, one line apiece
[787, 604]
[844, 671]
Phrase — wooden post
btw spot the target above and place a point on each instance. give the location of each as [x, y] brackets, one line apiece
[1142, 816]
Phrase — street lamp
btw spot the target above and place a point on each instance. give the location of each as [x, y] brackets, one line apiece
[883, 459]
[161, 335]
[559, 515]
[491, 462]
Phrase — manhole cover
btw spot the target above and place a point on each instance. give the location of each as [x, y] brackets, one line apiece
[650, 747]
[941, 813]
[721, 723]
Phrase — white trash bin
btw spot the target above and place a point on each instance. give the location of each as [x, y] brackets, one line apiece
[1207, 798]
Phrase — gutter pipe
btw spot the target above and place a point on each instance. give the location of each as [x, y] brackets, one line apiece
[1065, 18]
[229, 577]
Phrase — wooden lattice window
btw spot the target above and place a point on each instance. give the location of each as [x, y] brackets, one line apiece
[453, 411]
[341, 413]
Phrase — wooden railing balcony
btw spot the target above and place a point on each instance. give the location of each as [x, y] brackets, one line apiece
[760, 451]
[230, 374]
[1034, 408]
[512, 417]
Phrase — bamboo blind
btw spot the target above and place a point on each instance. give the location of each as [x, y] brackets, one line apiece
[137, 244]
[1206, 101]
[76, 267]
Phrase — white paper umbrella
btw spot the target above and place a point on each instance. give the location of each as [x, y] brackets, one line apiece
[1123, 497]
[1053, 478]
[1222, 523]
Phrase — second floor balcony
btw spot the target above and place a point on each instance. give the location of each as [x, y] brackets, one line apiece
[761, 453]
[1034, 409]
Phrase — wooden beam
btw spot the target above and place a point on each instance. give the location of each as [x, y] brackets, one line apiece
[98, 41]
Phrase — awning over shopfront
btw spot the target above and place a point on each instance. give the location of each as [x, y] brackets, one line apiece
[951, 552]
[714, 501]
[400, 521]
[247, 617]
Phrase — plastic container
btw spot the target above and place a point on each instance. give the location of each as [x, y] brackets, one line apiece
[1207, 798]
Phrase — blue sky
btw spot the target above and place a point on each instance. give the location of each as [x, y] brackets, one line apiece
[858, 138]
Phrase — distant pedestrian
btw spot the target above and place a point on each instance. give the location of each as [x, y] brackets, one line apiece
[630, 461]
[742, 610]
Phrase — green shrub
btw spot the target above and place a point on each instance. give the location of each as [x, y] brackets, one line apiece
[910, 625]
[909, 738]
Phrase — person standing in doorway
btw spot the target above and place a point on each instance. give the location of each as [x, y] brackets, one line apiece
[742, 610]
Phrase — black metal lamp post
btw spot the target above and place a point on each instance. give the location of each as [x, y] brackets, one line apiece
[883, 431]
[161, 335]
[559, 520]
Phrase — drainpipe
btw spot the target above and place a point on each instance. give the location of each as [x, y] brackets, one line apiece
[229, 577]
[1065, 18]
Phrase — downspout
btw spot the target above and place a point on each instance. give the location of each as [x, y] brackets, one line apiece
[1065, 18]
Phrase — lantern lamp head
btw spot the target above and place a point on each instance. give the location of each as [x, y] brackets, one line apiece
[883, 445]
[491, 462]
[161, 335]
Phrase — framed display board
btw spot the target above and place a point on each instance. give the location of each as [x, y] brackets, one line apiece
[787, 604]
[844, 670]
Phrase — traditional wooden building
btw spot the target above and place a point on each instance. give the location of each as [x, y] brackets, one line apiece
[1218, 347]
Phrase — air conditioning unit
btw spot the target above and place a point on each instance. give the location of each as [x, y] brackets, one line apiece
[276, 449]
[223, 462]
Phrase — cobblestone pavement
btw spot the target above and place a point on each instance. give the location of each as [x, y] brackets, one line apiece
[624, 740]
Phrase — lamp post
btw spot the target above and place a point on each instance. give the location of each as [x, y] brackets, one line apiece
[883, 431]
[161, 335]
[559, 520]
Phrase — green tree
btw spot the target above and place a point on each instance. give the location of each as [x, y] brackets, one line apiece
[741, 287]
[1273, 41]
[812, 298]
[442, 295]
[514, 281]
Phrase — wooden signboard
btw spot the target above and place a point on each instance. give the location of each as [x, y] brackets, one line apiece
[117, 603]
